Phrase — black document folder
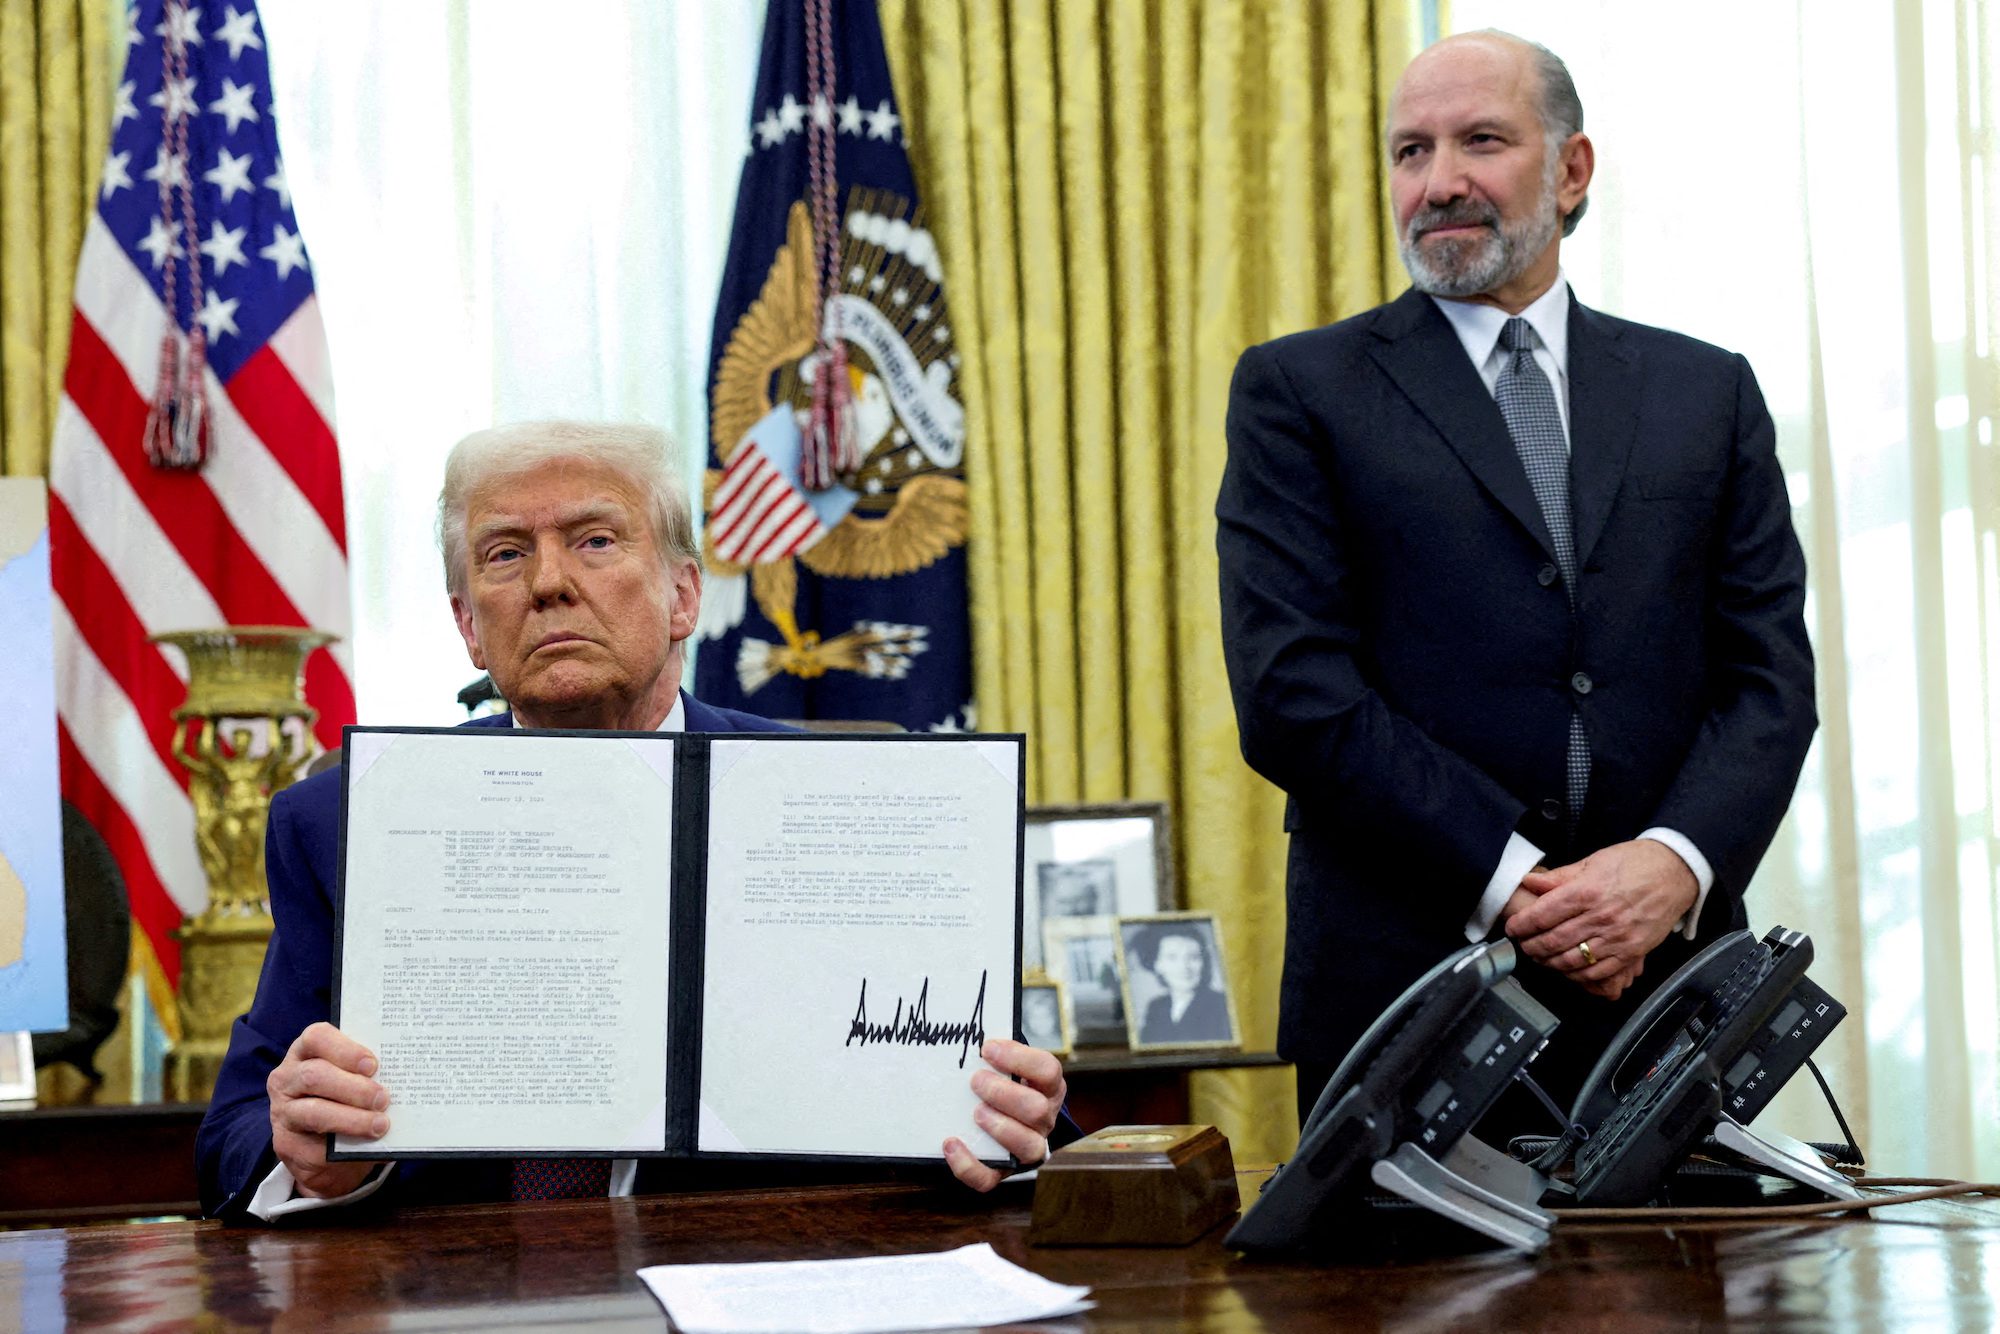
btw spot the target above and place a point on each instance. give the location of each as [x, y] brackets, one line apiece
[802, 938]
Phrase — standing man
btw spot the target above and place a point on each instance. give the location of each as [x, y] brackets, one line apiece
[1511, 601]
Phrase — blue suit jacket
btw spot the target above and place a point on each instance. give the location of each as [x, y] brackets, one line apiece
[1404, 657]
[301, 852]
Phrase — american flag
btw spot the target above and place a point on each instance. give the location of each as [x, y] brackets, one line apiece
[757, 514]
[257, 535]
[867, 616]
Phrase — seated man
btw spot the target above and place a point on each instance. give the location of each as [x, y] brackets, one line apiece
[570, 559]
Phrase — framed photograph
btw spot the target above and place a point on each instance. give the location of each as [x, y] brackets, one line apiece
[1107, 860]
[17, 1068]
[1045, 1019]
[1176, 997]
[1082, 954]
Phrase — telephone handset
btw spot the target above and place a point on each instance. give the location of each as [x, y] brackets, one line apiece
[1712, 1046]
[1658, 1029]
[1396, 1112]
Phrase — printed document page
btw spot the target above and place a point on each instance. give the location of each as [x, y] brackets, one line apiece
[504, 937]
[957, 1289]
[862, 900]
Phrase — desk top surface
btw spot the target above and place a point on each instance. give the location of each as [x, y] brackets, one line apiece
[574, 1265]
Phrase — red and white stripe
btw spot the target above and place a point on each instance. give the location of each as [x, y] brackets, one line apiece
[758, 515]
[256, 537]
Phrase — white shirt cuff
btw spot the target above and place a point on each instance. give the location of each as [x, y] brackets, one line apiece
[1704, 874]
[1519, 858]
[277, 1195]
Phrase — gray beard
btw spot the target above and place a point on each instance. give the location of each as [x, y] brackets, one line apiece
[1472, 266]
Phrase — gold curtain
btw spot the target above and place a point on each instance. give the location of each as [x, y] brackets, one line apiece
[1128, 193]
[55, 101]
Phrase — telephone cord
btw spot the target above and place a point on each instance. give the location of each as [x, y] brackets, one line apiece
[1932, 1188]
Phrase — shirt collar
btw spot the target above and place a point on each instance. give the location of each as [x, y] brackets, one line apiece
[675, 721]
[1478, 325]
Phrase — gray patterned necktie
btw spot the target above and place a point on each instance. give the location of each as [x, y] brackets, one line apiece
[1528, 405]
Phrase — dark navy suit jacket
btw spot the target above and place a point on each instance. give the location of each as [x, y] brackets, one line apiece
[301, 850]
[1404, 657]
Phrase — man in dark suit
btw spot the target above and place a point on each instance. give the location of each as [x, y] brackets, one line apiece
[1511, 600]
[574, 577]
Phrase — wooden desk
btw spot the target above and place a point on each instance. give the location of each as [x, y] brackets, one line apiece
[573, 1265]
[73, 1164]
[80, 1164]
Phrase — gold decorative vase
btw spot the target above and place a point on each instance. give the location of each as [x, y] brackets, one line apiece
[244, 732]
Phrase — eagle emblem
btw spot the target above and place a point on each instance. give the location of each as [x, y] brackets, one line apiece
[901, 509]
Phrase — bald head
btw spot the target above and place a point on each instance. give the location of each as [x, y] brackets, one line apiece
[1501, 53]
[1486, 173]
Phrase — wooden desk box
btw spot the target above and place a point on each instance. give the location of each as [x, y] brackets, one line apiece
[1135, 1186]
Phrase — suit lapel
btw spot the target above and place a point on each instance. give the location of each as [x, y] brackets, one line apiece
[1604, 382]
[699, 717]
[1419, 350]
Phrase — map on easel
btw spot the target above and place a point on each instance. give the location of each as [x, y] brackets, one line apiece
[34, 984]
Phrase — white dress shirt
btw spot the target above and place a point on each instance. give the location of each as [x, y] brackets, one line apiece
[277, 1195]
[1478, 328]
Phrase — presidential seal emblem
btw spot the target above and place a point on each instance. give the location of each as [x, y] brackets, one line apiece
[897, 502]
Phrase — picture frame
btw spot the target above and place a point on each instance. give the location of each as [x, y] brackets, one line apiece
[17, 1068]
[1176, 987]
[1106, 859]
[1045, 1016]
[1084, 952]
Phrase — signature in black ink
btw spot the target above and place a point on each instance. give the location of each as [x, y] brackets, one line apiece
[915, 1029]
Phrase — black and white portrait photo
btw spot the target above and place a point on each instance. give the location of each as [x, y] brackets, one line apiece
[1082, 954]
[1078, 889]
[1176, 995]
[1105, 860]
[1044, 1022]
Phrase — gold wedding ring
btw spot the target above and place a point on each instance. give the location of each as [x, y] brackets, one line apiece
[1583, 948]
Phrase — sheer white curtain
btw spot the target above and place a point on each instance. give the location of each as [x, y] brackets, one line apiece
[514, 210]
[1804, 183]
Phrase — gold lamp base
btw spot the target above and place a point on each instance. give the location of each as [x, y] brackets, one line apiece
[244, 733]
[220, 963]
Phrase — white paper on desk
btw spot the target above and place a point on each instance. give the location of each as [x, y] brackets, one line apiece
[504, 937]
[968, 1287]
[852, 878]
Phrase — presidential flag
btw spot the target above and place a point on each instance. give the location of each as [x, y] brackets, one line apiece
[835, 499]
[195, 480]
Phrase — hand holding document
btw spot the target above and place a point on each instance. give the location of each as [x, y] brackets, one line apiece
[504, 937]
[860, 911]
[968, 1287]
[631, 944]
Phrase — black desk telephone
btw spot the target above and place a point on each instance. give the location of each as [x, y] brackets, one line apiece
[1394, 1116]
[1707, 1051]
